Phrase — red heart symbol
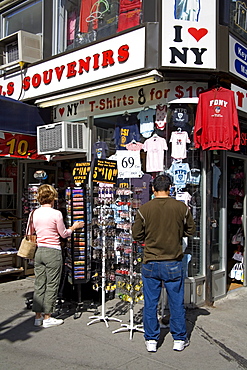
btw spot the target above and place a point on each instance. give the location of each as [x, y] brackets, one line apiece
[61, 111]
[197, 34]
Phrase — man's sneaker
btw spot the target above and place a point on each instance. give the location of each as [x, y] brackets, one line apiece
[38, 322]
[48, 323]
[179, 345]
[151, 345]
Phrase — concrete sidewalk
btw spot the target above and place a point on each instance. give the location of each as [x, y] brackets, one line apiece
[218, 337]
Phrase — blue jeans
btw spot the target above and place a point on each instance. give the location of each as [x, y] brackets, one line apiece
[171, 273]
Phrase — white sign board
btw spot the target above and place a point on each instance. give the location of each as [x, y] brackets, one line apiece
[129, 164]
[189, 33]
[113, 57]
[136, 98]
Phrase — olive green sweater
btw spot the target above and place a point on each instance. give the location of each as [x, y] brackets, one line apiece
[161, 223]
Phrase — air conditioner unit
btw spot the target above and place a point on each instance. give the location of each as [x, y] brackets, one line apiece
[18, 47]
[62, 137]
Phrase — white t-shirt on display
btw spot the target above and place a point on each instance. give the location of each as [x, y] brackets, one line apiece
[155, 146]
[179, 141]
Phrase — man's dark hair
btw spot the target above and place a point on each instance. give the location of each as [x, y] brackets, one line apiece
[162, 183]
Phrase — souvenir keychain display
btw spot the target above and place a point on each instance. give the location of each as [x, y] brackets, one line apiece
[101, 243]
[116, 258]
[130, 282]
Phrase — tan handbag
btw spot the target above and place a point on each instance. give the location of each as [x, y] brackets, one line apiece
[28, 244]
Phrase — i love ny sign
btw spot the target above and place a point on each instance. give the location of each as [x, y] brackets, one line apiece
[189, 34]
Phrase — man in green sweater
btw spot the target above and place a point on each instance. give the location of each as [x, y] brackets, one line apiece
[161, 223]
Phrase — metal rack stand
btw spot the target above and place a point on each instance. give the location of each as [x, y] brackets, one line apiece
[103, 316]
[131, 327]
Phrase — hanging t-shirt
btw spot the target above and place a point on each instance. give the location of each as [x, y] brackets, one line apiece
[108, 20]
[87, 16]
[179, 173]
[216, 124]
[184, 197]
[129, 14]
[179, 141]
[141, 186]
[135, 146]
[194, 176]
[123, 183]
[180, 117]
[155, 146]
[126, 130]
[99, 150]
[216, 177]
[161, 113]
[146, 118]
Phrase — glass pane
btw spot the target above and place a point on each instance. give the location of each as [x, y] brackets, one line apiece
[235, 201]
[83, 21]
[238, 17]
[27, 17]
[180, 119]
[216, 224]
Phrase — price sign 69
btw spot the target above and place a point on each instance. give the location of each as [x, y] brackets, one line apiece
[128, 163]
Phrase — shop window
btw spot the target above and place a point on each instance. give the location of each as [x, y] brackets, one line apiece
[26, 16]
[216, 223]
[83, 21]
[238, 18]
[179, 128]
[235, 211]
[174, 124]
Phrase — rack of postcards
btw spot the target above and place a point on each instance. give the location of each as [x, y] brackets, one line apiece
[29, 204]
[116, 260]
[78, 259]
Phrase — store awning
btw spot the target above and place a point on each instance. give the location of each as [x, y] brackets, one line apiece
[19, 117]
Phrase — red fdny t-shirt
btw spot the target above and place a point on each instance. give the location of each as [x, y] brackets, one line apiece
[216, 124]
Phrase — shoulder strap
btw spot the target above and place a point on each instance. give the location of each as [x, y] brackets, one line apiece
[30, 221]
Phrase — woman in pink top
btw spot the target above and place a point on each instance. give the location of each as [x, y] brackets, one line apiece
[49, 226]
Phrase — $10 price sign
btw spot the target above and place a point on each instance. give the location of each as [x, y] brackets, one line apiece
[105, 171]
[128, 164]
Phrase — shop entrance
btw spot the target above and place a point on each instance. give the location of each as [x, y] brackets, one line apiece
[236, 219]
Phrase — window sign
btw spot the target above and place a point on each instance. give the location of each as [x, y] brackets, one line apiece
[189, 33]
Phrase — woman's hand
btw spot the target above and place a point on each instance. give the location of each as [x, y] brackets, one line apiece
[77, 225]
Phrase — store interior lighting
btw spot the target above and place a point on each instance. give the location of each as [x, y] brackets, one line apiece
[128, 83]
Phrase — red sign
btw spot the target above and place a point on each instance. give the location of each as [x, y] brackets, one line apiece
[19, 146]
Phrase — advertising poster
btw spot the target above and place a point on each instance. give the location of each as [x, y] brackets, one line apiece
[189, 33]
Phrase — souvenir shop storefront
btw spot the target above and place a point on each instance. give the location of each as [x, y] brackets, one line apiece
[163, 135]
[109, 139]
[211, 182]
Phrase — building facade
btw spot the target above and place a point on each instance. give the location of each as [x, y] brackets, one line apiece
[98, 63]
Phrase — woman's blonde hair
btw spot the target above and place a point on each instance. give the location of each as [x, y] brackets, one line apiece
[46, 194]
